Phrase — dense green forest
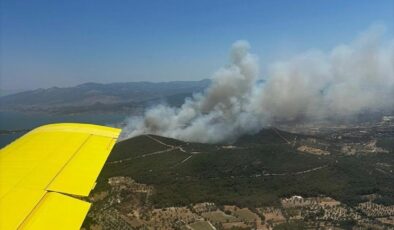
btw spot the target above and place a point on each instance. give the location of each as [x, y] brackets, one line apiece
[256, 170]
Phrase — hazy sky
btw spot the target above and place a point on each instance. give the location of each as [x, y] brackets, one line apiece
[64, 43]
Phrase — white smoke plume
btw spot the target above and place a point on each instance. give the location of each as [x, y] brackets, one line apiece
[348, 80]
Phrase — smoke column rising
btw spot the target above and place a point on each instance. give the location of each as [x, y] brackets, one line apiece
[344, 82]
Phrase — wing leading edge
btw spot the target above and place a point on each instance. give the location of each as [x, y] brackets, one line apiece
[41, 169]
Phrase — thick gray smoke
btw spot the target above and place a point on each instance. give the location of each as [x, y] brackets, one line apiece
[348, 80]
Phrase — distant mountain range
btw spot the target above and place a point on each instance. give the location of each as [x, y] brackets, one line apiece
[113, 97]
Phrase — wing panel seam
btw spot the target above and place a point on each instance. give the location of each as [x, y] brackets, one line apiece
[68, 161]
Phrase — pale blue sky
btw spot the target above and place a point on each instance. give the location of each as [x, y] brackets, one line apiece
[63, 43]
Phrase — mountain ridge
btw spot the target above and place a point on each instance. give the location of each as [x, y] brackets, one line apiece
[99, 96]
[305, 180]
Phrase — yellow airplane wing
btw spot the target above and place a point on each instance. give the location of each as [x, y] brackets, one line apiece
[42, 172]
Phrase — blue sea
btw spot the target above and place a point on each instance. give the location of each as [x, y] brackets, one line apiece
[17, 121]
